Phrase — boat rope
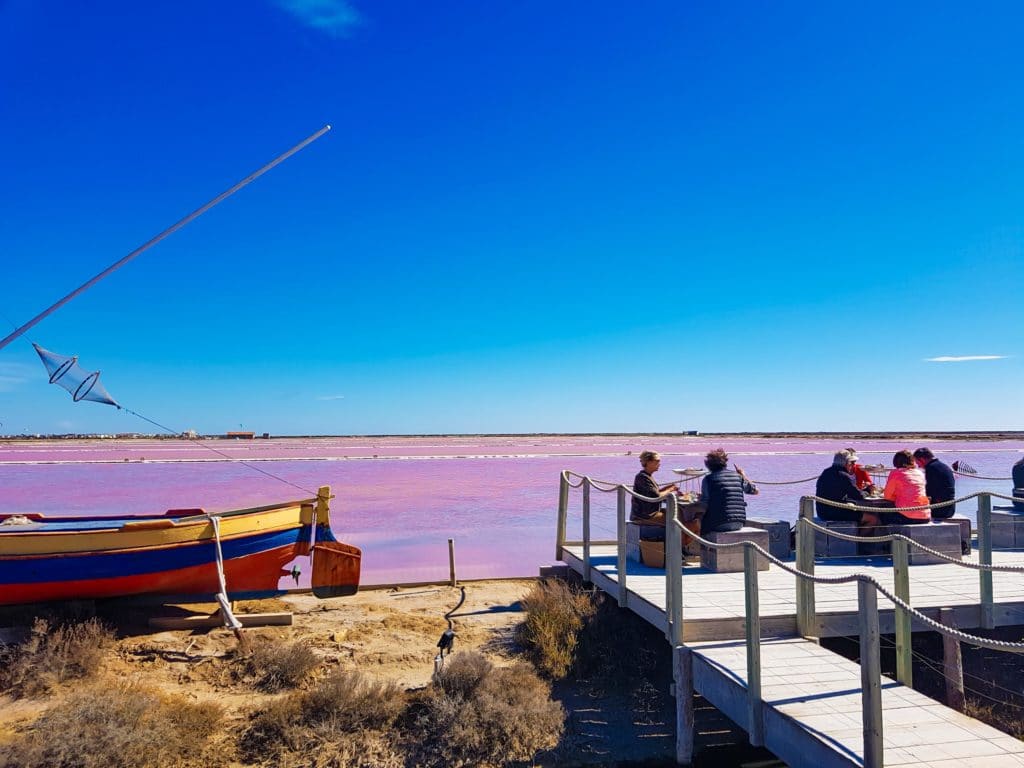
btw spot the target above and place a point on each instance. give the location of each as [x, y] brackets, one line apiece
[234, 459]
[230, 621]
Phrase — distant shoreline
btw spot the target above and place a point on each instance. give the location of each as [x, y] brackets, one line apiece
[829, 435]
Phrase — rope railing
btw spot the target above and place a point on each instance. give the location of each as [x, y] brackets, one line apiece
[867, 591]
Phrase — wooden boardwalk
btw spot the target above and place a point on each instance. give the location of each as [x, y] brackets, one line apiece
[713, 604]
[812, 697]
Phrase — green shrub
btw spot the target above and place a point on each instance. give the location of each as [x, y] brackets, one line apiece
[127, 727]
[50, 656]
[555, 615]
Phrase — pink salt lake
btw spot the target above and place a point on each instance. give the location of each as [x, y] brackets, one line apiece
[401, 498]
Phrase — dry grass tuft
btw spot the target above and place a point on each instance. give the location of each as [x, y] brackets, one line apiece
[507, 717]
[128, 727]
[463, 673]
[53, 655]
[344, 716]
[555, 615]
[275, 667]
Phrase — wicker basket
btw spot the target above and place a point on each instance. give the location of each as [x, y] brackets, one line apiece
[652, 553]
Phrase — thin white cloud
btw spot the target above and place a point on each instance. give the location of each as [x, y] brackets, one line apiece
[13, 375]
[963, 358]
[331, 397]
[333, 17]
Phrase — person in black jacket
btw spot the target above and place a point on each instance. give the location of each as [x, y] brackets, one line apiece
[721, 493]
[939, 482]
[836, 483]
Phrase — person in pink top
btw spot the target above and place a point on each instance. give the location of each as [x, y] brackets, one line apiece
[905, 488]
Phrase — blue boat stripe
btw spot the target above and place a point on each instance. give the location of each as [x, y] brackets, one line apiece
[104, 565]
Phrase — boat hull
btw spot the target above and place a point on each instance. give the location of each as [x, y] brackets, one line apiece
[68, 559]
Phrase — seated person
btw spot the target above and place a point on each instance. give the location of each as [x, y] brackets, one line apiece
[721, 494]
[906, 488]
[837, 483]
[1018, 484]
[860, 475]
[939, 482]
[649, 512]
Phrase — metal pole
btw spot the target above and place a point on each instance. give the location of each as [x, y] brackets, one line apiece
[805, 563]
[755, 718]
[674, 570]
[169, 231]
[586, 530]
[563, 513]
[870, 674]
[985, 558]
[622, 567]
[904, 638]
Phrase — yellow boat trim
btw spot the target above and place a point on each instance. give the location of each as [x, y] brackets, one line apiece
[184, 531]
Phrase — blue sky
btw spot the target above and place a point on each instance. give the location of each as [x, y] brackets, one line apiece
[527, 216]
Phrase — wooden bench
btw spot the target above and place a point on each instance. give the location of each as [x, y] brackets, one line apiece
[1007, 528]
[940, 535]
[636, 531]
[779, 543]
[830, 546]
[731, 560]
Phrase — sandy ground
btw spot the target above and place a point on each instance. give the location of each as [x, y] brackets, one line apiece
[392, 634]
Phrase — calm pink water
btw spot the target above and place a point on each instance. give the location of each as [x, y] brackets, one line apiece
[496, 496]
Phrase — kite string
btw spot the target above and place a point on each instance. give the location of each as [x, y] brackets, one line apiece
[219, 453]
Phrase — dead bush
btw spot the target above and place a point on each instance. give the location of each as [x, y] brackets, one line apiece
[52, 655]
[275, 667]
[555, 614]
[1003, 718]
[325, 718]
[128, 727]
[509, 717]
[463, 673]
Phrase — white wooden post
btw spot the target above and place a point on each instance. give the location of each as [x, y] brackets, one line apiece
[682, 673]
[901, 578]
[586, 530]
[674, 571]
[755, 717]
[805, 562]
[985, 558]
[870, 674]
[623, 567]
[563, 513]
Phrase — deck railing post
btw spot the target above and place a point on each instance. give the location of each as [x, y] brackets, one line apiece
[755, 716]
[563, 513]
[901, 578]
[674, 571]
[870, 674]
[985, 558]
[586, 530]
[805, 562]
[620, 494]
